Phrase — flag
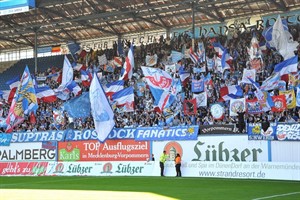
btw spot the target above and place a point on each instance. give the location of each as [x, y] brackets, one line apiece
[74, 88]
[58, 116]
[236, 106]
[86, 78]
[78, 107]
[271, 82]
[128, 65]
[102, 59]
[279, 103]
[231, 92]
[282, 85]
[13, 85]
[201, 52]
[117, 61]
[290, 98]
[45, 94]
[176, 56]
[184, 76]
[141, 88]
[151, 60]
[160, 83]
[197, 85]
[223, 54]
[256, 64]
[253, 106]
[56, 49]
[226, 59]
[280, 38]
[170, 68]
[288, 66]
[201, 99]
[32, 118]
[193, 56]
[78, 66]
[124, 99]
[56, 77]
[298, 97]
[67, 75]
[254, 51]
[208, 80]
[190, 106]
[101, 111]
[24, 101]
[14, 82]
[113, 87]
[73, 47]
[258, 93]
[217, 111]
[248, 73]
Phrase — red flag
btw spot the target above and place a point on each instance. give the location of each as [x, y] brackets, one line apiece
[190, 106]
[279, 103]
[32, 118]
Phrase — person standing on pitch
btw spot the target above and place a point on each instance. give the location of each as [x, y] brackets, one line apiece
[162, 161]
[178, 165]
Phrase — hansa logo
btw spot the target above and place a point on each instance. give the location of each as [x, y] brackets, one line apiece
[172, 148]
[59, 168]
[107, 167]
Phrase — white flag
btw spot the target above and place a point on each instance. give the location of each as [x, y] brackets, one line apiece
[102, 60]
[282, 40]
[237, 105]
[201, 99]
[101, 110]
[67, 75]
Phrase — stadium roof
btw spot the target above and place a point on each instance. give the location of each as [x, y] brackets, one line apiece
[61, 21]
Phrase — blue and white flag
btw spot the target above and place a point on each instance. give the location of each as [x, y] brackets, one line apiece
[176, 56]
[67, 75]
[271, 83]
[124, 99]
[280, 38]
[298, 97]
[160, 83]
[288, 66]
[79, 107]
[201, 52]
[101, 111]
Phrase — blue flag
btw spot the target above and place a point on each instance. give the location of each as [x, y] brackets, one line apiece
[79, 107]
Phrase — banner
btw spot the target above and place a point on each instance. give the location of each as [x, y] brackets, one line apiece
[257, 131]
[171, 133]
[26, 152]
[208, 148]
[5, 139]
[253, 106]
[217, 129]
[110, 150]
[288, 131]
[23, 168]
[197, 85]
[236, 106]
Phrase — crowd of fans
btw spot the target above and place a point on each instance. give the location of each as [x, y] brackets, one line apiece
[143, 114]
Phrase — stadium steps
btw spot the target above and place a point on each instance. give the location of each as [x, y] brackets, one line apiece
[7, 64]
[44, 63]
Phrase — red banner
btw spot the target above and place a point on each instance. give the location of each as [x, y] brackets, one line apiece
[190, 107]
[110, 150]
[279, 103]
[23, 168]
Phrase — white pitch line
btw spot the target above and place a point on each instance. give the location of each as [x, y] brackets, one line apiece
[279, 195]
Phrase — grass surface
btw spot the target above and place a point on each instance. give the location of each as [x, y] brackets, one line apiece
[177, 188]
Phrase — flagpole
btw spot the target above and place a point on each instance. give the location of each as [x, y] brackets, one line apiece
[35, 51]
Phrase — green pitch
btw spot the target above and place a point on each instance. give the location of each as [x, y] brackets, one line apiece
[163, 187]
